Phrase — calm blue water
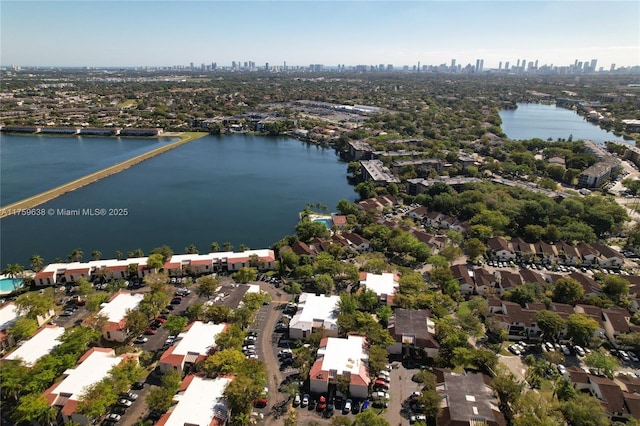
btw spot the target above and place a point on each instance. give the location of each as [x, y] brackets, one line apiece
[327, 222]
[7, 284]
[530, 121]
[34, 163]
[242, 189]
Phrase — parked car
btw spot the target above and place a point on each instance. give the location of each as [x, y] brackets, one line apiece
[130, 396]
[124, 402]
[176, 301]
[141, 339]
[322, 403]
[347, 406]
[514, 350]
[285, 351]
[305, 400]
[150, 331]
[260, 402]
[381, 384]
[417, 418]
[579, 351]
[114, 417]
[561, 369]
[137, 385]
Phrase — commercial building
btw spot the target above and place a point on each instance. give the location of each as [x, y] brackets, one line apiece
[193, 345]
[341, 357]
[115, 310]
[39, 345]
[200, 401]
[92, 367]
[315, 314]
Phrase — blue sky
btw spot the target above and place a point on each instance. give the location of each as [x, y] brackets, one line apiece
[165, 33]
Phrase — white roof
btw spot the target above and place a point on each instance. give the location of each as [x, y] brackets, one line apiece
[198, 339]
[344, 354]
[117, 308]
[312, 307]
[229, 255]
[8, 314]
[38, 346]
[199, 402]
[93, 369]
[382, 285]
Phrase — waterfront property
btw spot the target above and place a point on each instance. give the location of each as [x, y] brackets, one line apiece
[9, 285]
[181, 264]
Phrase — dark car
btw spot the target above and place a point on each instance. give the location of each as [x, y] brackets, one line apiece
[328, 412]
[355, 408]
[137, 385]
[150, 331]
[312, 404]
[119, 410]
[176, 301]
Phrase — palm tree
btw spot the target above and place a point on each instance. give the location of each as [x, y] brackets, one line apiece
[215, 247]
[137, 253]
[191, 249]
[36, 262]
[96, 254]
[227, 246]
[244, 247]
[118, 254]
[13, 271]
[76, 255]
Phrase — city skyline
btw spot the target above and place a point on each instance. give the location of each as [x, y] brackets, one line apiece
[161, 34]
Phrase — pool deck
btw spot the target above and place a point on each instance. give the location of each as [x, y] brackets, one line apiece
[5, 292]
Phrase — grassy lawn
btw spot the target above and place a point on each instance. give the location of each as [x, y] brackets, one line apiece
[129, 103]
[463, 308]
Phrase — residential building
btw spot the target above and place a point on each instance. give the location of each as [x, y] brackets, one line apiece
[464, 277]
[192, 345]
[384, 285]
[467, 400]
[315, 314]
[341, 357]
[92, 367]
[39, 345]
[115, 310]
[413, 328]
[377, 172]
[263, 259]
[501, 249]
[200, 401]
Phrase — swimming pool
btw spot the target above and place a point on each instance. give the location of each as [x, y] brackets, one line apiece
[6, 285]
[327, 222]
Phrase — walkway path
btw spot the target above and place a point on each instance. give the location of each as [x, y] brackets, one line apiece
[43, 197]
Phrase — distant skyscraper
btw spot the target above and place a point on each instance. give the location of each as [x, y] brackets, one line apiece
[191, 65]
[266, 66]
[524, 64]
[594, 64]
[518, 64]
[536, 65]
[613, 67]
[453, 63]
[478, 65]
[499, 65]
[506, 65]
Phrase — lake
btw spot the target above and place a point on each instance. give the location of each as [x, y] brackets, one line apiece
[530, 121]
[237, 188]
[32, 164]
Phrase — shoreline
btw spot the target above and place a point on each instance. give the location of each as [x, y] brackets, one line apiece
[43, 197]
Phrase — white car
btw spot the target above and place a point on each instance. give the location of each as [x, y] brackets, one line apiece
[113, 416]
[579, 351]
[561, 369]
[252, 356]
[285, 351]
[565, 350]
[417, 418]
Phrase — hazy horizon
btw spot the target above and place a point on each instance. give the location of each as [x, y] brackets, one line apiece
[87, 33]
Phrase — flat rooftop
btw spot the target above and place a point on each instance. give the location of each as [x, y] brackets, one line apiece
[344, 354]
[199, 338]
[93, 369]
[116, 309]
[312, 307]
[199, 403]
[38, 346]
[8, 314]
[384, 284]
